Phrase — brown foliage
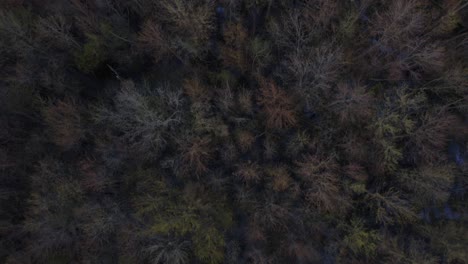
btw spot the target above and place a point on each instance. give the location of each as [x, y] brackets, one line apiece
[196, 155]
[277, 105]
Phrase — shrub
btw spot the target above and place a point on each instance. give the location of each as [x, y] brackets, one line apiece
[355, 148]
[313, 72]
[398, 23]
[234, 51]
[152, 40]
[196, 90]
[189, 212]
[322, 184]
[356, 172]
[361, 242]
[280, 177]
[11, 3]
[229, 153]
[272, 214]
[64, 123]
[298, 143]
[259, 51]
[196, 155]
[270, 148]
[92, 55]
[387, 156]
[397, 120]
[244, 99]
[52, 218]
[55, 31]
[451, 17]
[169, 251]
[86, 19]
[352, 104]
[449, 239]
[321, 12]
[248, 172]
[16, 32]
[204, 122]
[99, 224]
[429, 185]
[245, 139]
[431, 136]
[302, 252]
[390, 209]
[189, 25]
[291, 31]
[277, 106]
[93, 179]
[255, 255]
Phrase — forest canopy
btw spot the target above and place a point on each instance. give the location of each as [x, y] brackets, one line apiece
[233, 131]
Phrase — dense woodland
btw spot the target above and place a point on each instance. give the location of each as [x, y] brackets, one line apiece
[233, 131]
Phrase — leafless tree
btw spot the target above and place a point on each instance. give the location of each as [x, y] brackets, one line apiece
[144, 121]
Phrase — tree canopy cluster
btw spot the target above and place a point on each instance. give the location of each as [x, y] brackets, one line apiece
[233, 131]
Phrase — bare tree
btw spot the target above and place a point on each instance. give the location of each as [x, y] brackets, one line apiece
[389, 208]
[143, 116]
[322, 185]
[352, 103]
[277, 106]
